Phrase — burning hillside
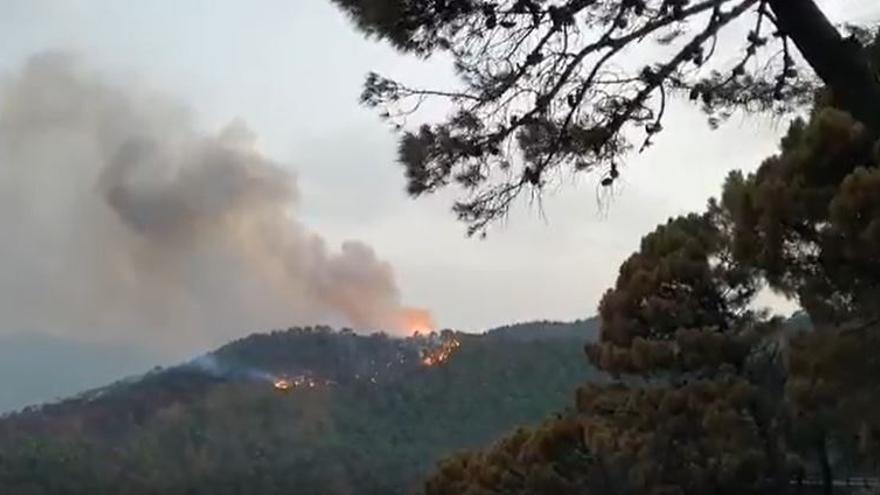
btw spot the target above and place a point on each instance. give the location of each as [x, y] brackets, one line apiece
[290, 363]
[441, 352]
[433, 350]
[287, 384]
[285, 406]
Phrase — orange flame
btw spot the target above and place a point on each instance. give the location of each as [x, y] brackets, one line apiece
[441, 354]
[303, 381]
[412, 321]
[282, 384]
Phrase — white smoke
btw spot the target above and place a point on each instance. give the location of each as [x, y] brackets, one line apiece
[118, 219]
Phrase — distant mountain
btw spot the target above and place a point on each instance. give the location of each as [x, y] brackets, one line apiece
[306, 410]
[585, 330]
[39, 368]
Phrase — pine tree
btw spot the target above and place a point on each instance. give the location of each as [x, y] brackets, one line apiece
[712, 395]
[549, 89]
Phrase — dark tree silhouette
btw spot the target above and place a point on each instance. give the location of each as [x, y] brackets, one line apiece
[710, 395]
[573, 85]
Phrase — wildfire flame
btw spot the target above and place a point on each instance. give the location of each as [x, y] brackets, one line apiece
[415, 321]
[440, 354]
[434, 350]
[287, 384]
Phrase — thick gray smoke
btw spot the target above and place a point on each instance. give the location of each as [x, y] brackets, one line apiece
[119, 219]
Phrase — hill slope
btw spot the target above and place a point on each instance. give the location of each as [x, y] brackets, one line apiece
[359, 414]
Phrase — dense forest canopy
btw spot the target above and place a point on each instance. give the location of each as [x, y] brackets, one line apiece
[551, 88]
[364, 414]
[711, 394]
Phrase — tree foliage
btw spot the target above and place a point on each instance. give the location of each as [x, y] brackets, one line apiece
[376, 424]
[552, 88]
[713, 395]
[807, 220]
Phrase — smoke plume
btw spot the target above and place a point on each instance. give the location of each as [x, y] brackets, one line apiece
[119, 219]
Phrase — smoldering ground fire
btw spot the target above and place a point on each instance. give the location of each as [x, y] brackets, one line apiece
[414, 353]
[121, 218]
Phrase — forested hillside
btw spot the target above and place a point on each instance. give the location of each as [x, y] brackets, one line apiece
[306, 410]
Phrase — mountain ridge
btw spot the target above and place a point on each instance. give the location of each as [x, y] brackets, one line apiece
[362, 414]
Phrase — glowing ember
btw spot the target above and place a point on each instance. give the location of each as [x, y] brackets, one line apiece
[440, 354]
[301, 381]
[282, 384]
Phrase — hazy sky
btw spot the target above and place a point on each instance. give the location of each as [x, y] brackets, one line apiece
[292, 70]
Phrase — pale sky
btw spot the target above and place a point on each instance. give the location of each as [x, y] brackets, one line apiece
[293, 69]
